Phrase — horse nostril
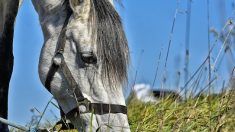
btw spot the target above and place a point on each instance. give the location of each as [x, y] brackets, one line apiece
[88, 57]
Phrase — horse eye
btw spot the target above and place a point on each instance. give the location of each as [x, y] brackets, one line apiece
[88, 58]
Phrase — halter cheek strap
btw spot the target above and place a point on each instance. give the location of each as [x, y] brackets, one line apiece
[84, 105]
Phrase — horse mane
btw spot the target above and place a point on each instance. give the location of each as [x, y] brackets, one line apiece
[112, 45]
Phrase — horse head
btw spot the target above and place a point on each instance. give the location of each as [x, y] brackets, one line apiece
[95, 59]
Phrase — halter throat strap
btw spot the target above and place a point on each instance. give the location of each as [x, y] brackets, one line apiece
[88, 107]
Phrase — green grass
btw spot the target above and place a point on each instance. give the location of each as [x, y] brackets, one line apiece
[205, 113]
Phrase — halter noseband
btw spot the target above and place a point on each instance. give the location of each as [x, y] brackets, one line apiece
[58, 62]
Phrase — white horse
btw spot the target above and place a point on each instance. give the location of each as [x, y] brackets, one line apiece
[87, 37]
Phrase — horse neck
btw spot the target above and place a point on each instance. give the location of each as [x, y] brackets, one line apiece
[2, 16]
[7, 11]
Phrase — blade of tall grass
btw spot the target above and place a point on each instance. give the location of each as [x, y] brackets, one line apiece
[187, 43]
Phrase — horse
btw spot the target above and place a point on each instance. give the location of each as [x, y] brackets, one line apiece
[8, 12]
[84, 62]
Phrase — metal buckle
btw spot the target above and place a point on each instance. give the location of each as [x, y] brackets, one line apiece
[58, 58]
[83, 106]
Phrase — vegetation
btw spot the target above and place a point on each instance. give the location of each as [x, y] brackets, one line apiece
[204, 113]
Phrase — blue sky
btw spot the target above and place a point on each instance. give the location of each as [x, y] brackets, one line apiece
[147, 23]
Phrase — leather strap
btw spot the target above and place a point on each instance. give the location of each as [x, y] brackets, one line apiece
[73, 86]
[53, 69]
[60, 48]
[101, 109]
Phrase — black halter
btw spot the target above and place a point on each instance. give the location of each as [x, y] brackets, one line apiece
[96, 108]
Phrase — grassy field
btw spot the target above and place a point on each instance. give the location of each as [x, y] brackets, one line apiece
[205, 113]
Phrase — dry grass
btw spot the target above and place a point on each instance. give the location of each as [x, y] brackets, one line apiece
[205, 113]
